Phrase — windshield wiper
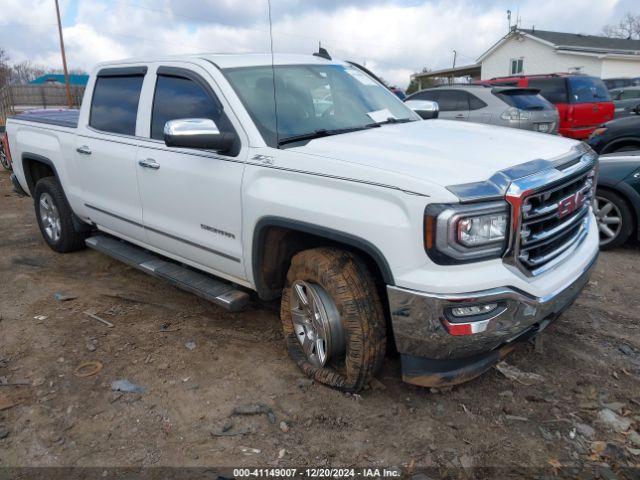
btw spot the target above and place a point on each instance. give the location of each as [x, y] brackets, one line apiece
[323, 132]
[395, 120]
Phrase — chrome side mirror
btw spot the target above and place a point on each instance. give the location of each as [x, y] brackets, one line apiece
[197, 133]
[425, 108]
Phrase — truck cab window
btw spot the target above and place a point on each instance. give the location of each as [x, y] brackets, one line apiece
[179, 97]
[114, 105]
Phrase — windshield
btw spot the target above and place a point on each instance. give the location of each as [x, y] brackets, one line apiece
[313, 98]
[587, 90]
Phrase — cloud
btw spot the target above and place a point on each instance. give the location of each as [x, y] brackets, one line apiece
[393, 37]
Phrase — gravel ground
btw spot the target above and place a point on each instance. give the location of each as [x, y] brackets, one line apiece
[197, 363]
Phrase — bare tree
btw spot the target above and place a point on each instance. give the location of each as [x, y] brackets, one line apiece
[25, 72]
[628, 27]
[5, 68]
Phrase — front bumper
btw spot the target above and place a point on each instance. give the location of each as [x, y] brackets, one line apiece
[431, 356]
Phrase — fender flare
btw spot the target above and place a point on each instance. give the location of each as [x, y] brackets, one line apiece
[319, 231]
[616, 141]
[26, 157]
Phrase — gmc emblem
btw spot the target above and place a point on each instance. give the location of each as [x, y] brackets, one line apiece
[570, 204]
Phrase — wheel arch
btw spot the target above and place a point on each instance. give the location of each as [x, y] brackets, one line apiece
[35, 167]
[620, 142]
[283, 238]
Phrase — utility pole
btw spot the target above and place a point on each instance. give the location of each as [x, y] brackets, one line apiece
[455, 54]
[64, 58]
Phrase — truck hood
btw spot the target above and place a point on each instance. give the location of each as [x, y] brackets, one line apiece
[439, 151]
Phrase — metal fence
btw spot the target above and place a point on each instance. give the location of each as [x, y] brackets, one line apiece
[18, 98]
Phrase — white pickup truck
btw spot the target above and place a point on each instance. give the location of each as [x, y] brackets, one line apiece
[450, 242]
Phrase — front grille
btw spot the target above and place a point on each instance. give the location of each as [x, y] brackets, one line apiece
[553, 221]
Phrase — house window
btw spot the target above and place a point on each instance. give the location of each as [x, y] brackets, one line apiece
[517, 66]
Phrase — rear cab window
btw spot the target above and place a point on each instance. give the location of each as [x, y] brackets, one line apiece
[115, 99]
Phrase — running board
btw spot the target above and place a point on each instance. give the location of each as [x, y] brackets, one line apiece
[201, 284]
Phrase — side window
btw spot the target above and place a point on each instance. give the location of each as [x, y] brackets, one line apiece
[553, 89]
[627, 94]
[475, 103]
[179, 97]
[114, 105]
[428, 95]
[451, 101]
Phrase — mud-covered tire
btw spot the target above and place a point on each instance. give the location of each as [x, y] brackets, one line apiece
[71, 238]
[352, 288]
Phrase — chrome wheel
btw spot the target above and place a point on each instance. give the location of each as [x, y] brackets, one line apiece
[316, 322]
[50, 217]
[609, 220]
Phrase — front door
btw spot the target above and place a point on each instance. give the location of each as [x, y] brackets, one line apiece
[106, 148]
[191, 198]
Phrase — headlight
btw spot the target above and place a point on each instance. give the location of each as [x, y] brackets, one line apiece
[514, 113]
[465, 233]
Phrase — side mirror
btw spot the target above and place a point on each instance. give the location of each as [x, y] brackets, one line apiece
[196, 133]
[636, 109]
[425, 108]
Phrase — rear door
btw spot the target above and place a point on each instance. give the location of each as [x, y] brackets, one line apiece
[454, 104]
[106, 148]
[191, 198]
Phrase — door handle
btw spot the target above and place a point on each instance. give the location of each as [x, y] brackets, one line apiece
[84, 150]
[149, 163]
[460, 115]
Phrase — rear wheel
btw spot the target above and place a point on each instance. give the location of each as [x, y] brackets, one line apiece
[55, 217]
[615, 220]
[333, 319]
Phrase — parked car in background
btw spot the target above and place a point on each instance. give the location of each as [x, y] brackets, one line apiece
[583, 102]
[505, 106]
[622, 82]
[4, 149]
[625, 100]
[617, 203]
[619, 135]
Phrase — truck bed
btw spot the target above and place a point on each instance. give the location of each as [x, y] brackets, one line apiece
[61, 118]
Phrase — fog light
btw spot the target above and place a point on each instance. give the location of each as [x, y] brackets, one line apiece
[473, 310]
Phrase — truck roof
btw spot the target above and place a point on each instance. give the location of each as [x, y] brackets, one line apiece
[234, 60]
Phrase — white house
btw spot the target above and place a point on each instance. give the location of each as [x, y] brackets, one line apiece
[530, 51]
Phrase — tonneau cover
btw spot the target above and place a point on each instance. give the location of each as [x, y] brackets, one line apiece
[62, 118]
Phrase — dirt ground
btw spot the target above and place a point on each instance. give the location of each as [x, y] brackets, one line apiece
[588, 363]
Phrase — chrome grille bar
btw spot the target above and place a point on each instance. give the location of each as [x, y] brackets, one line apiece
[551, 214]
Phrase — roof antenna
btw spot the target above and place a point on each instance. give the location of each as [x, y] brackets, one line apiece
[273, 75]
[322, 52]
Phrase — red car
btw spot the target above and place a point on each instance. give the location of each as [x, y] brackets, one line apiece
[583, 102]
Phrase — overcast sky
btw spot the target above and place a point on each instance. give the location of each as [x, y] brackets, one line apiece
[394, 37]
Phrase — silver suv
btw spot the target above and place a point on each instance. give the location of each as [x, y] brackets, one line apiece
[514, 107]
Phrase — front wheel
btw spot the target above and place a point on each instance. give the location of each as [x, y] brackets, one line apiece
[333, 319]
[615, 220]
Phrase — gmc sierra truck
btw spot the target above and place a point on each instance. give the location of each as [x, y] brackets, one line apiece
[302, 177]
